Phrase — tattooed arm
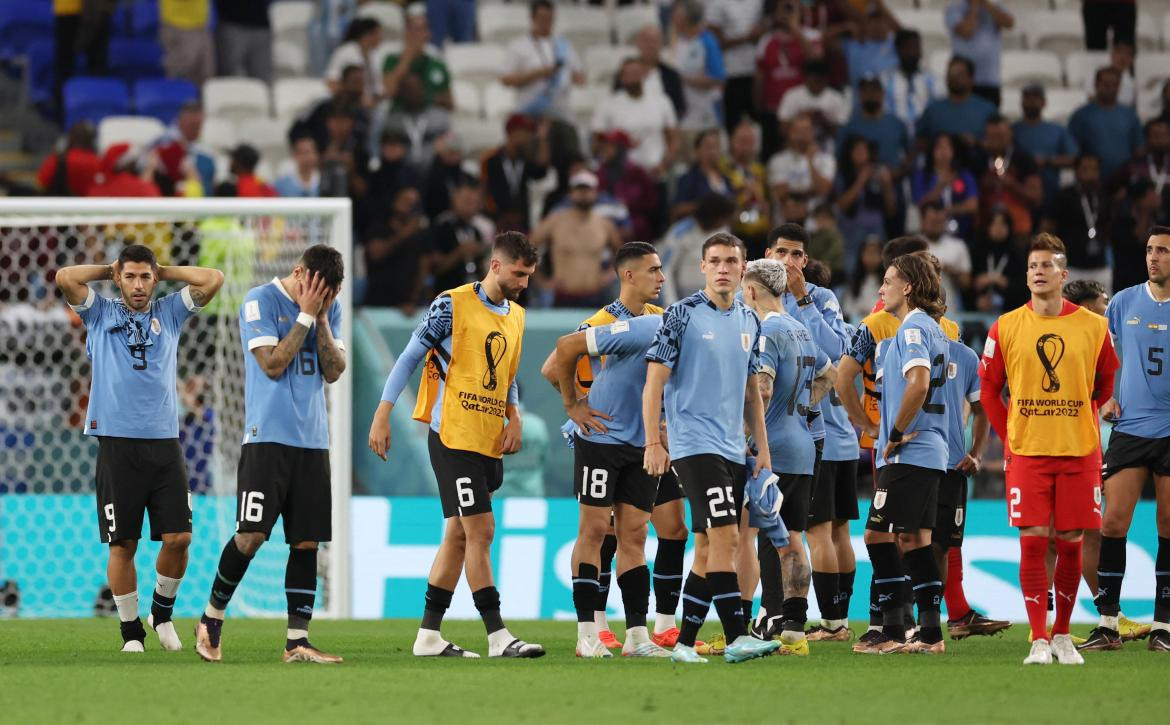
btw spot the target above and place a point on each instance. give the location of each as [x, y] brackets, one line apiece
[330, 356]
[202, 282]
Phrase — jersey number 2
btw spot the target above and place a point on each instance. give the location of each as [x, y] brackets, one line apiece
[938, 376]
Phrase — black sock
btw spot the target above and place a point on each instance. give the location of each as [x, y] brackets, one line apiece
[487, 602]
[725, 596]
[845, 586]
[771, 579]
[435, 605]
[828, 595]
[746, 607]
[696, 602]
[635, 586]
[232, 565]
[927, 587]
[668, 575]
[907, 594]
[1110, 572]
[161, 608]
[300, 586]
[608, 549]
[1052, 601]
[1162, 581]
[795, 614]
[585, 587]
[133, 630]
[875, 607]
[888, 580]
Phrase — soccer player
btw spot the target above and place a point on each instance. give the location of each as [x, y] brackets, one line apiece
[1087, 293]
[911, 456]
[1057, 360]
[1139, 446]
[818, 310]
[639, 270]
[471, 338]
[794, 374]
[290, 329]
[132, 341]
[706, 359]
[607, 454]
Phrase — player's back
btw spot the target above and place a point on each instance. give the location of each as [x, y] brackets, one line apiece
[919, 341]
[791, 355]
[1140, 326]
[840, 435]
[617, 389]
[962, 385]
[289, 408]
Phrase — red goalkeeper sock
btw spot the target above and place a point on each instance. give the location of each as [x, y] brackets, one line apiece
[1034, 583]
[1067, 581]
[957, 606]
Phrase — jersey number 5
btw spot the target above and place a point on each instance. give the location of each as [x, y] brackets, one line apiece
[1154, 358]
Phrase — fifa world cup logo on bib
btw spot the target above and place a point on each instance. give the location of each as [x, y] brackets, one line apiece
[1050, 350]
[494, 347]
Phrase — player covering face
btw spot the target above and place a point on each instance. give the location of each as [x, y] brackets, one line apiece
[132, 341]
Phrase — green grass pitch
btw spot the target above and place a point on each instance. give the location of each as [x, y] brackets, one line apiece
[71, 671]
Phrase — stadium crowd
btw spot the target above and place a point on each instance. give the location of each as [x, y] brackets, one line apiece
[735, 115]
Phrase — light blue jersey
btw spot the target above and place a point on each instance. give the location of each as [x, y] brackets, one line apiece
[132, 390]
[711, 353]
[617, 388]
[840, 435]
[1140, 327]
[962, 385]
[919, 342]
[826, 324]
[792, 359]
[291, 408]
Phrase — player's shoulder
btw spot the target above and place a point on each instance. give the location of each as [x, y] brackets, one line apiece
[959, 352]
[688, 305]
[598, 319]
[652, 309]
[824, 295]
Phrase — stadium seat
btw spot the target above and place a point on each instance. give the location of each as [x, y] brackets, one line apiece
[135, 58]
[930, 24]
[630, 19]
[292, 96]
[603, 61]
[1149, 34]
[936, 63]
[1022, 67]
[499, 101]
[501, 23]
[583, 100]
[23, 23]
[1151, 70]
[1061, 102]
[144, 19]
[289, 20]
[1059, 32]
[1082, 65]
[583, 25]
[39, 71]
[138, 131]
[477, 135]
[236, 98]
[268, 136]
[218, 135]
[289, 59]
[466, 97]
[92, 99]
[161, 98]
[388, 15]
[479, 63]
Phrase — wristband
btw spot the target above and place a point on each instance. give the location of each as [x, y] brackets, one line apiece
[306, 319]
[895, 435]
[804, 301]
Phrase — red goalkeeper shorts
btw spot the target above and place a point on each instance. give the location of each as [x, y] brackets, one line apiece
[1064, 491]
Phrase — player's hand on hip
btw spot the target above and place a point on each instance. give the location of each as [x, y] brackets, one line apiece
[380, 436]
[1111, 411]
[892, 448]
[510, 437]
[312, 294]
[656, 460]
[586, 418]
[968, 466]
[763, 462]
[870, 430]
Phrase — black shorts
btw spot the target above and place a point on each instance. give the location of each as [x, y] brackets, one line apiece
[275, 480]
[605, 474]
[466, 479]
[797, 490]
[951, 520]
[714, 488]
[669, 489]
[137, 476]
[834, 493]
[1130, 451]
[906, 499]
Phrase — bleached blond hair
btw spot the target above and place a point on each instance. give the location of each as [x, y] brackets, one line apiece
[771, 274]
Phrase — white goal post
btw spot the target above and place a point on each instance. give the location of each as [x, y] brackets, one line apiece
[44, 379]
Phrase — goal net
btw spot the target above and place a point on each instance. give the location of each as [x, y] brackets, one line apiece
[49, 541]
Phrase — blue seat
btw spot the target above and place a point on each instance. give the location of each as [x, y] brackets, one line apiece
[92, 99]
[161, 98]
[144, 19]
[40, 69]
[135, 58]
[21, 23]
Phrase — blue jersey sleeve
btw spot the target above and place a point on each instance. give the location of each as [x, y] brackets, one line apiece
[623, 337]
[861, 346]
[757, 347]
[825, 322]
[822, 361]
[93, 310]
[258, 320]
[335, 323]
[772, 355]
[435, 325]
[668, 341]
[714, 60]
[1114, 314]
[913, 348]
[174, 309]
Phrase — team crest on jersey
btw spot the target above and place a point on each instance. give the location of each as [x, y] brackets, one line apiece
[746, 341]
[952, 371]
[879, 499]
[958, 517]
[156, 327]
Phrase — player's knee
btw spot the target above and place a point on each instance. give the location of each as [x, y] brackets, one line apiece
[479, 535]
[1071, 535]
[249, 543]
[176, 542]
[591, 531]
[1116, 527]
[304, 545]
[124, 549]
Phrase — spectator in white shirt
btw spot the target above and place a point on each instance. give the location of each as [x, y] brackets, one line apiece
[802, 167]
[826, 106]
[909, 88]
[648, 120]
[951, 252]
[363, 39]
[737, 25]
